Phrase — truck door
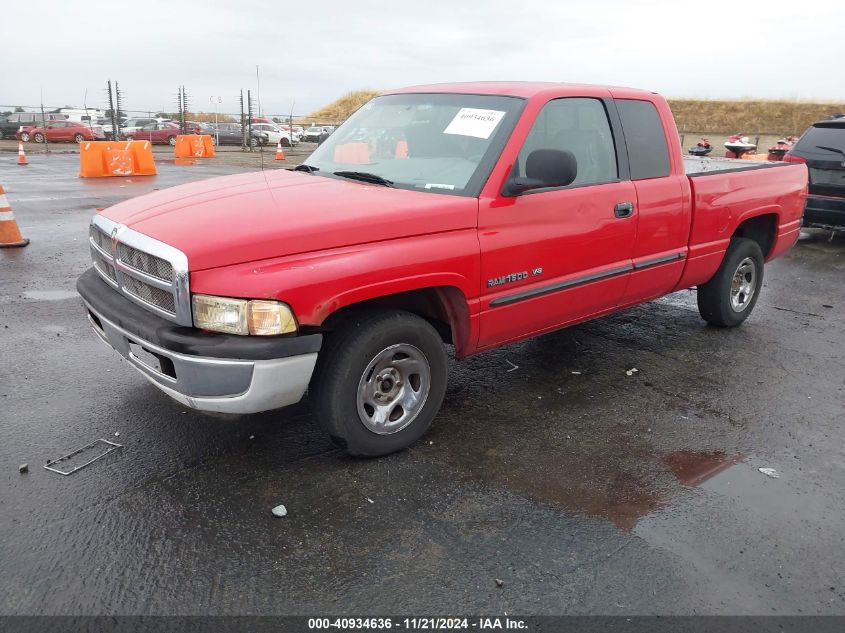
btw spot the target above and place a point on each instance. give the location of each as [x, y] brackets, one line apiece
[555, 255]
[663, 208]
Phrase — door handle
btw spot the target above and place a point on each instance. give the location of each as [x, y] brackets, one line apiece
[624, 210]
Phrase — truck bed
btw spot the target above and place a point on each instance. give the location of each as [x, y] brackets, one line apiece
[697, 166]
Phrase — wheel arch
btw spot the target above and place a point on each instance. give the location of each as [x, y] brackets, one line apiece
[445, 307]
[761, 228]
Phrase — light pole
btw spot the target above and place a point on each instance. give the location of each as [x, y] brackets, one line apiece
[216, 101]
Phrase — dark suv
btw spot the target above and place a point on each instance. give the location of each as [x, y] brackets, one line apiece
[822, 147]
[11, 124]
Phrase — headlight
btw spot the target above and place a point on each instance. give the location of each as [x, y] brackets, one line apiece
[239, 316]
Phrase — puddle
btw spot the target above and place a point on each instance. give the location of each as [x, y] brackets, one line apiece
[50, 295]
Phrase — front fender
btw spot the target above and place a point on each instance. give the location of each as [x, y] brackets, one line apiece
[317, 284]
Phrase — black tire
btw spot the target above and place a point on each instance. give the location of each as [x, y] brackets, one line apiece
[285, 142]
[715, 302]
[38, 137]
[25, 137]
[79, 138]
[171, 140]
[348, 353]
[129, 138]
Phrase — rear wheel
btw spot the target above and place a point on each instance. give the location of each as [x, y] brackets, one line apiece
[129, 138]
[730, 296]
[171, 140]
[79, 138]
[379, 382]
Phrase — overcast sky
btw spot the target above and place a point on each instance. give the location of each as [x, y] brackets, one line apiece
[316, 51]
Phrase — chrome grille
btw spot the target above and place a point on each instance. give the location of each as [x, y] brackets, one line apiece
[148, 272]
[101, 239]
[146, 263]
[150, 294]
[103, 265]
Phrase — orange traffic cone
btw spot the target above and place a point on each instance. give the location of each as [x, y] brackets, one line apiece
[21, 155]
[10, 235]
[280, 155]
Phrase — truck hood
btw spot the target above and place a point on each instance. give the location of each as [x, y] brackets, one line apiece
[249, 217]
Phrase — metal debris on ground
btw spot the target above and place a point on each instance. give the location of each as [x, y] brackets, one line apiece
[500, 582]
[279, 511]
[370, 500]
[23, 469]
[85, 451]
[770, 472]
[513, 367]
[576, 373]
[631, 371]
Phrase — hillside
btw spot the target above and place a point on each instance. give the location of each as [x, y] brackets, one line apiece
[341, 108]
[692, 115]
[749, 116]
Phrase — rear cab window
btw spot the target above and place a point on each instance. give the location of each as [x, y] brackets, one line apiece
[648, 152]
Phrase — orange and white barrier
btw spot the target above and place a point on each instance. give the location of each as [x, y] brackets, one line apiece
[194, 146]
[116, 158]
[280, 154]
[10, 234]
[21, 155]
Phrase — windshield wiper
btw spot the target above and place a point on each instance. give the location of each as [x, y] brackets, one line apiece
[365, 176]
[306, 168]
[831, 149]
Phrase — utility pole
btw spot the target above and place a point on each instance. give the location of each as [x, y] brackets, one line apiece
[44, 123]
[216, 101]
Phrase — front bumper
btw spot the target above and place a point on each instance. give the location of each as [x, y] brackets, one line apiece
[209, 372]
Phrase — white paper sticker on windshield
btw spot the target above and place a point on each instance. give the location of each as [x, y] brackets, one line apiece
[474, 122]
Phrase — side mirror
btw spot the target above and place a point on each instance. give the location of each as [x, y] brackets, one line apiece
[521, 184]
[544, 168]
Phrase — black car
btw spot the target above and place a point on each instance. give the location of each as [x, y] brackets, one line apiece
[232, 134]
[822, 147]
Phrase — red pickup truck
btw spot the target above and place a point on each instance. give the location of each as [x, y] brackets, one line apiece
[473, 215]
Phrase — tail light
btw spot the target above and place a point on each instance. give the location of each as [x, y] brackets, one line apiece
[792, 158]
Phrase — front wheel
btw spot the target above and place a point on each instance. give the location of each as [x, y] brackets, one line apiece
[729, 297]
[171, 140]
[25, 137]
[379, 382]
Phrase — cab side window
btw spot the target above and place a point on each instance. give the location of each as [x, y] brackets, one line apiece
[580, 126]
[647, 150]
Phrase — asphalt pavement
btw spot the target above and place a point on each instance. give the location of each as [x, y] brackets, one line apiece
[556, 480]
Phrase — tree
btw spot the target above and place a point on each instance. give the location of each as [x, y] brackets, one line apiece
[19, 109]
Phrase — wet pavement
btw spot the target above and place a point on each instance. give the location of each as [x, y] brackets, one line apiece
[584, 489]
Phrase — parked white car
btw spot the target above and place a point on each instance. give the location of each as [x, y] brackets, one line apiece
[277, 133]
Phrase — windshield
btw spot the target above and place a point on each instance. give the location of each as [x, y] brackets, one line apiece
[443, 143]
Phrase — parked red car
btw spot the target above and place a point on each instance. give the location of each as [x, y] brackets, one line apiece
[54, 131]
[485, 214]
[155, 133]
